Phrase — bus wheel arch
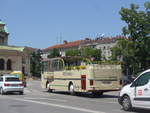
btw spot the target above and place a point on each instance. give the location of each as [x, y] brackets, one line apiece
[48, 87]
[71, 88]
[47, 82]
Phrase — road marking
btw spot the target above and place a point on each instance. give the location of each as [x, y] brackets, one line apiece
[60, 106]
[111, 102]
[31, 98]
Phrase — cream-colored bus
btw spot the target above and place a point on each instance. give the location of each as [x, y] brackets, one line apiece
[76, 74]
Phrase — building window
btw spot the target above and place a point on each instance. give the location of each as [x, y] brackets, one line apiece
[23, 60]
[9, 64]
[2, 64]
[2, 41]
[108, 48]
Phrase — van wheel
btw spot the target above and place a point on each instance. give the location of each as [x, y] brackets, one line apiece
[1, 91]
[126, 103]
[71, 89]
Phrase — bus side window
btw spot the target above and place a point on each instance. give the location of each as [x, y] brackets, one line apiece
[61, 65]
[57, 65]
[45, 66]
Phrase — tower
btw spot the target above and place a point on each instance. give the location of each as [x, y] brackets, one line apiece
[3, 34]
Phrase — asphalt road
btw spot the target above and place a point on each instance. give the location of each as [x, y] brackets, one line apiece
[38, 100]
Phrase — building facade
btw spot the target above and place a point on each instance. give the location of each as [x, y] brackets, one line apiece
[62, 48]
[103, 44]
[12, 58]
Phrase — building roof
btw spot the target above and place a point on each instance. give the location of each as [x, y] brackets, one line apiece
[20, 49]
[1, 22]
[104, 40]
[65, 45]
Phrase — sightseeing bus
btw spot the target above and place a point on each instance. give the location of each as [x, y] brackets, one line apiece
[77, 74]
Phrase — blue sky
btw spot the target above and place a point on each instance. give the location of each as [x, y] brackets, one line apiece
[43, 23]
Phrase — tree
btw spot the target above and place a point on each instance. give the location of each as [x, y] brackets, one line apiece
[54, 53]
[136, 49]
[86, 52]
[91, 53]
[73, 52]
[36, 63]
[124, 52]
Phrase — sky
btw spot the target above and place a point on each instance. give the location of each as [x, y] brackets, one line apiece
[44, 23]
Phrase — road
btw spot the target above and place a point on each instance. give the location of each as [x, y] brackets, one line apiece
[38, 100]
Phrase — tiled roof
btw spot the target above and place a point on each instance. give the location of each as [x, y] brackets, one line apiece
[66, 45]
[105, 40]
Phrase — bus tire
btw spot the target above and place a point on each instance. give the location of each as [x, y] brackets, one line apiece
[46, 84]
[126, 103]
[71, 89]
[48, 88]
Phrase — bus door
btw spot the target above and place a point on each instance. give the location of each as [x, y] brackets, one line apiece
[83, 82]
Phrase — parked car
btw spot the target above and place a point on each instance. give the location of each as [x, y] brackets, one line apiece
[11, 83]
[137, 93]
[21, 76]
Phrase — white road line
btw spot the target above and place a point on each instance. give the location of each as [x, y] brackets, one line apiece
[60, 106]
[31, 98]
[107, 101]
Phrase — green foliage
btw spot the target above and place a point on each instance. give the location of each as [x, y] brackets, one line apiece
[107, 62]
[134, 51]
[36, 63]
[54, 53]
[73, 52]
[86, 52]
[91, 53]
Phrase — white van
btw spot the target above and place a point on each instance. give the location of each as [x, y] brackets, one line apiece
[136, 94]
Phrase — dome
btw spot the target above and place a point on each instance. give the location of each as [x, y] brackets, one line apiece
[1, 22]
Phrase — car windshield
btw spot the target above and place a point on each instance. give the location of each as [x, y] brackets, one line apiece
[12, 79]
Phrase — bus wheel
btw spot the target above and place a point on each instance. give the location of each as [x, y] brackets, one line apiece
[48, 87]
[71, 89]
[50, 90]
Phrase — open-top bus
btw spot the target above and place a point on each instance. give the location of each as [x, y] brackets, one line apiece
[76, 74]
